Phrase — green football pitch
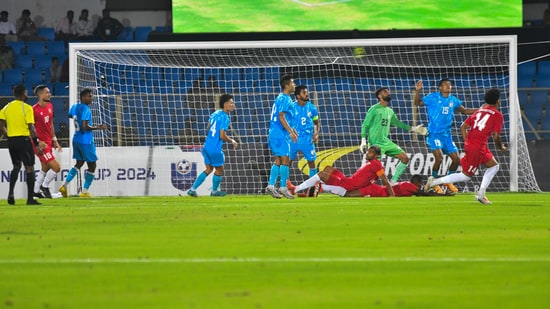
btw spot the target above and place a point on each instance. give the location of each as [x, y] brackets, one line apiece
[258, 252]
[323, 15]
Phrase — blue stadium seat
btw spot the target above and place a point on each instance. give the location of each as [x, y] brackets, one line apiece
[56, 48]
[544, 67]
[6, 89]
[163, 29]
[543, 80]
[127, 35]
[525, 81]
[13, 76]
[141, 33]
[34, 77]
[527, 68]
[42, 62]
[36, 48]
[24, 62]
[272, 73]
[61, 89]
[523, 96]
[18, 47]
[47, 33]
[539, 97]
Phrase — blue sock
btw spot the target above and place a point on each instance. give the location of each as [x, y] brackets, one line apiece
[200, 179]
[216, 180]
[72, 173]
[273, 175]
[88, 178]
[284, 171]
[450, 172]
[313, 171]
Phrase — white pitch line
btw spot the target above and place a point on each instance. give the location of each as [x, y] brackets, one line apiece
[274, 260]
[319, 4]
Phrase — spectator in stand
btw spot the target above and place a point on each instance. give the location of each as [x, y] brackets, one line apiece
[7, 56]
[55, 70]
[84, 26]
[26, 28]
[64, 72]
[108, 28]
[7, 28]
[66, 28]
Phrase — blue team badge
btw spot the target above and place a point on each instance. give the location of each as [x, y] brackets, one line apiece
[183, 174]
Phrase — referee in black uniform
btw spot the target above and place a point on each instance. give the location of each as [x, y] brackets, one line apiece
[17, 123]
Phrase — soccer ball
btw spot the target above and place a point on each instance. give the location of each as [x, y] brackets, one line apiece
[184, 166]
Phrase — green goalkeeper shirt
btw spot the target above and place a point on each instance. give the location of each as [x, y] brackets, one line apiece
[377, 124]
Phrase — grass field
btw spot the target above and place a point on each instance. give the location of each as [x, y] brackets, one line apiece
[324, 15]
[258, 252]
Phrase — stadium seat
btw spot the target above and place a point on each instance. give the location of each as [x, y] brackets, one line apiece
[24, 62]
[6, 89]
[525, 81]
[127, 35]
[544, 67]
[539, 97]
[141, 33]
[527, 69]
[18, 47]
[36, 48]
[34, 77]
[56, 48]
[61, 89]
[13, 76]
[543, 80]
[42, 62]
[47, 33]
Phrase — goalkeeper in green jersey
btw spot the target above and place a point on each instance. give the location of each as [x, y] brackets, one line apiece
[377, 124]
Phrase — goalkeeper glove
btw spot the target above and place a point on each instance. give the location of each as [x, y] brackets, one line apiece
[363, 145]
[419, 129]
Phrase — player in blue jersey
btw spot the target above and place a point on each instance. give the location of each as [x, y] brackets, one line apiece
[280, 135]
[83, 142]
[440, 107]
[305, 120]
[212, 152]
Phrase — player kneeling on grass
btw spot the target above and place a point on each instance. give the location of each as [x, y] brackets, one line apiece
[334, 181]
[476, 130]
[402, 188]
[212, 152]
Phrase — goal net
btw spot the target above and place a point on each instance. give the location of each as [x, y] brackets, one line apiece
[157, 97]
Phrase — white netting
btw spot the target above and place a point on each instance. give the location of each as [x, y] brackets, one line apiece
[161, 94]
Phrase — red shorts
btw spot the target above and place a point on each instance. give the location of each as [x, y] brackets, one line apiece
[475, 156]
[47, 154]
[374, 190]
[337, 178]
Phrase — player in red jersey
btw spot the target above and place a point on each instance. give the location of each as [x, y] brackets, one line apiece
[402, 188]
[334, 181]
[43, 116]
[476, 130]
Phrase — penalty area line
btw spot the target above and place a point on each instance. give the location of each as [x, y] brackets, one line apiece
[305, 3]
[274, 260]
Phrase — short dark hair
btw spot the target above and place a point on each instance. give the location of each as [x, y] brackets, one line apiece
[492, 96]
[84, 92]
[224, 98]
[376, 149]
[380, 90]
[417, 178]
[39, 88]
[19, 90]
[443, 80]
[4, 13]
[299, 89]
[285, 80]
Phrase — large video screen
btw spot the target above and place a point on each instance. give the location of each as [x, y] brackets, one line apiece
[209, 16]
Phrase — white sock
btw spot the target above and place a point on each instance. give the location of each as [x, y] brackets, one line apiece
[488, 177]
[38, 181]
[456, 177]
[333, 189]
[308, 183]
[49, 177]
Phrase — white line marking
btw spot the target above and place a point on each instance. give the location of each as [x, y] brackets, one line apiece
[320, 4]
[274, 260]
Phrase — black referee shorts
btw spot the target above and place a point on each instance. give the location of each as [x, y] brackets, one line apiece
[21, 150]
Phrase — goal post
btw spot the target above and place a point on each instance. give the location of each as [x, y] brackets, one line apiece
[156, 99]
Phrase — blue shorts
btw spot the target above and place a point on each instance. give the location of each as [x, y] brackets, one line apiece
[213, 158]
[84, 152]
[280, 147]
[443, 141]
[307, 149]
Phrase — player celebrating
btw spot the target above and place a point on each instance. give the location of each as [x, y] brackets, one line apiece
[43, 117]
[212, 152]
[486, 121]
[377, 124]
[334, 181]
[305, 120]
[440, 107]
[280, 134]
[83, 142]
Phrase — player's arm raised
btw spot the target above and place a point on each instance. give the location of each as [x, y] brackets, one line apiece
[417, 99]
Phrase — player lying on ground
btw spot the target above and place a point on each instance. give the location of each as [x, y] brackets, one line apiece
[334, 181]
[402, 188]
